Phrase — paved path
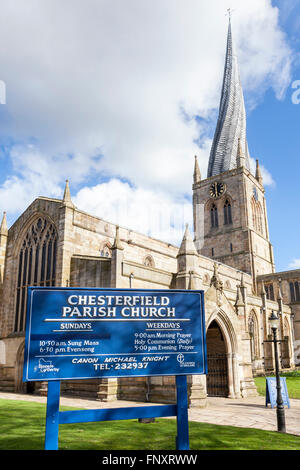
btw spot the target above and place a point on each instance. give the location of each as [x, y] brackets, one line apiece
[244, 412]
[247, 413]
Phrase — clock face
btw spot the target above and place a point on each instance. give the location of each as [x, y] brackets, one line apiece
[217, 189]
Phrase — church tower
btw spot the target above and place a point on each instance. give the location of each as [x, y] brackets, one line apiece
[230, 216]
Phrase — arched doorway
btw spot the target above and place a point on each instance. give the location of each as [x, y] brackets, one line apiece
[22, 387]
[217, 362]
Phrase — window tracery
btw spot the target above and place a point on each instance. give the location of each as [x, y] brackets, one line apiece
[269, 291]
[214, 216]
[36, 264]
[227, 213]
[105, 251]
[295, 291]
[257, 215]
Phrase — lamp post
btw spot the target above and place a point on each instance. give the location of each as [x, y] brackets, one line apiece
[274, 320]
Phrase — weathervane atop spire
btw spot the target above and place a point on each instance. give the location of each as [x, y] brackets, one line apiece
[229, 13]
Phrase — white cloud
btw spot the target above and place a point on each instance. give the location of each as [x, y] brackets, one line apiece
[295, 264]
[100, 88]
[38, 174]
[154, 213]
[264, 55]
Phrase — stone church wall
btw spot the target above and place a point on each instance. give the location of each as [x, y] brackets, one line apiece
[89, 272]
[87, 258]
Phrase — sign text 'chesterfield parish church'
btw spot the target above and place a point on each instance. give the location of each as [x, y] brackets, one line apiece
[89, 333]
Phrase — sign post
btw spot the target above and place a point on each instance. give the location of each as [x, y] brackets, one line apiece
[52, 416]
[77, 333]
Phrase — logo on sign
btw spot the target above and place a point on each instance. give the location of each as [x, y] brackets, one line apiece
[45, 366]
[180, 358]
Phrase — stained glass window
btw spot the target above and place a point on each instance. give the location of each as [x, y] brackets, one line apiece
[36, 264]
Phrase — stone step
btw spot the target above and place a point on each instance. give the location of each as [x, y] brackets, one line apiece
[7, 385]
[80, 394]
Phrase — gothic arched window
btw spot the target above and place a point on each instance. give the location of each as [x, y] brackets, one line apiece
[269, 291]
[295, 291]
[36, 264]
[214, 216]
[227, 213]
[259, 218]
[257, 215]
[105, 251]
[254, 340]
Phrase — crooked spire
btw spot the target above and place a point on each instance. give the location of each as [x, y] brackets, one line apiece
[231, 125]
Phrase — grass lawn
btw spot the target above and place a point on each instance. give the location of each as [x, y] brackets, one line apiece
[22, 427]
[292, 383]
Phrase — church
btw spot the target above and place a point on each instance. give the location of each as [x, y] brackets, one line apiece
[227, 253]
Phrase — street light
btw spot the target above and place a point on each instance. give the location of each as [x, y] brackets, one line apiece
[274, 323]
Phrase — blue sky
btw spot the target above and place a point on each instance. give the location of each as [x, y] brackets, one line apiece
[273, 133]
[119, 96]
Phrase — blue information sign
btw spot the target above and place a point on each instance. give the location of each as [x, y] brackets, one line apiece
[271, 392]
[81, 333]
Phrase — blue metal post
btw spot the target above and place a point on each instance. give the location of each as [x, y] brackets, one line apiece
[52, 417]
[182, 440]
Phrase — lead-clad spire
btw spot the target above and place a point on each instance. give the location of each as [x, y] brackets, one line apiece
[231, 125]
